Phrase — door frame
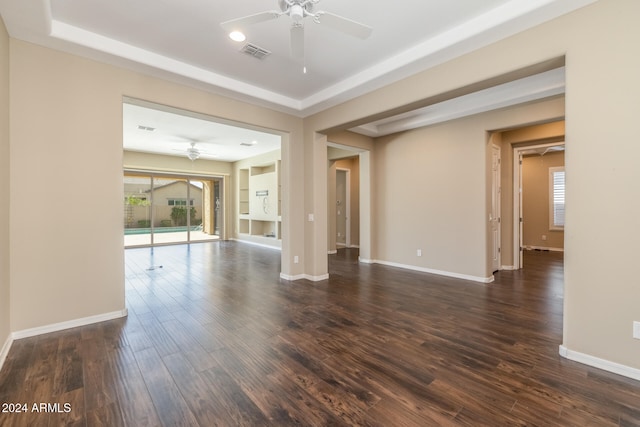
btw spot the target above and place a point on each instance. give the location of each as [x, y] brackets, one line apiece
[517, 199]
[365, 205]
[347, 203]
[496, 189]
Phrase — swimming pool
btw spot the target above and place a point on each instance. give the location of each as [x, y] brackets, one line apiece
[129, 231]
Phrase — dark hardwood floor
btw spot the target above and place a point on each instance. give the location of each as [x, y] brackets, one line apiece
[214, 338]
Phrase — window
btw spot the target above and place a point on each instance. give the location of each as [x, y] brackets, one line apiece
[179, 202]
[556, 198]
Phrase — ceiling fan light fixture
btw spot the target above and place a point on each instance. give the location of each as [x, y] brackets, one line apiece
[193, 155]
[237, 36]
[192, 152]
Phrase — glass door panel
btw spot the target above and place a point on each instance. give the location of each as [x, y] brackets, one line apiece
[208, 209]
[137, 210]
[173, 210]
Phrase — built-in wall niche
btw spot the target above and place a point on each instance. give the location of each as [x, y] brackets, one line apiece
[263, 193]
[260, 202]
[260, 170]
[264, 228]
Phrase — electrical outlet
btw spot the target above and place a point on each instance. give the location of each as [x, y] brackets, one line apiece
[636, 330]
[419, 252]
[296, 259]
[310, 218]
[544, 237]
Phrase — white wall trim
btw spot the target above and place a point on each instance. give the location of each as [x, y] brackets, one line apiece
[292, 278]
[26, 333]
[603, 364]
[438, 272]
[5, 350]
[333, 252]
[304, 276]
[250, 242]
[366, 261]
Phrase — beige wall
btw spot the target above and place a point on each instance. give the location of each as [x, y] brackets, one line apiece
[66, 125]
[430, 189]
[535, 201]
[174, 164]
[599, 44]
[5, 194]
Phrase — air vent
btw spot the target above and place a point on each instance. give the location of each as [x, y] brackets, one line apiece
[147, 128]
[247, 144]
[255, 51]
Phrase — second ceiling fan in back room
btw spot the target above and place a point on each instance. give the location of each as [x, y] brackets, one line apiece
[298, 11]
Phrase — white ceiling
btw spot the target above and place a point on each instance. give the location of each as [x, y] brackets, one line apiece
[183, 41]
[150, 128]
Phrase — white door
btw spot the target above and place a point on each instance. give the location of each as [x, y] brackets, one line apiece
[494, 216]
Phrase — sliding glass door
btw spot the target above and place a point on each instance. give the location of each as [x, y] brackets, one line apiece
[137, 210]
[167, 209]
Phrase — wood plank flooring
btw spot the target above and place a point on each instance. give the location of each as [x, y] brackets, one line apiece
[215, 338]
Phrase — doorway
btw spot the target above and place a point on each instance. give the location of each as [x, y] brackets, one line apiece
[344, 200]
[343, 207]
[537, 199]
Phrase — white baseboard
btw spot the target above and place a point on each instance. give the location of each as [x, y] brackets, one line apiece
[333, 252]
[438, 272]
[291, 278]
[304, 276]
[5, 350]
[25, 333]
[366, 261]
[543, 248]
[508, 267]
[596, 362]
[262, 245]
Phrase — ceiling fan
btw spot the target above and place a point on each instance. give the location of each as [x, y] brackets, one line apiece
[193, 153]
[298, 10]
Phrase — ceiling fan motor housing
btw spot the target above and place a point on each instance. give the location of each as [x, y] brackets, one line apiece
[297, 13]
[296, 8]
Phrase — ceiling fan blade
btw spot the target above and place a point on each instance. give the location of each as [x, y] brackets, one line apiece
[297, 41]
[343, 24]
[240, 23]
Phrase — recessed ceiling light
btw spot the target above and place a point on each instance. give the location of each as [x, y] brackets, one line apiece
[237, 36]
